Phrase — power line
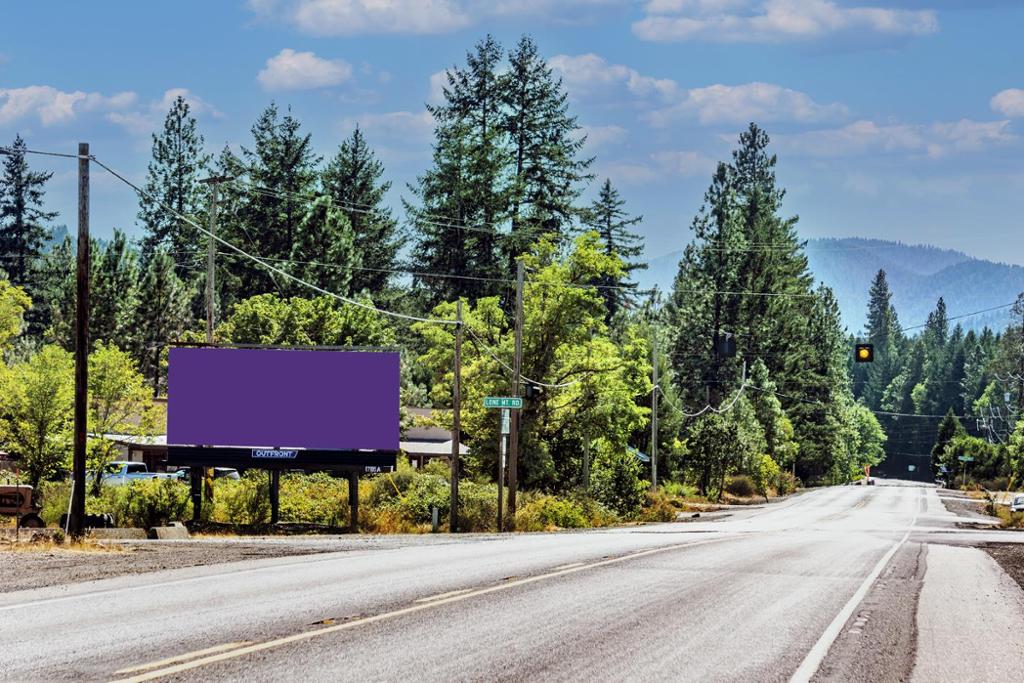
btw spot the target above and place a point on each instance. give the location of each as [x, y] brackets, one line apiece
[267, 266]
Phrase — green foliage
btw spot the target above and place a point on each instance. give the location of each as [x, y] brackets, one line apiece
[146, 503]
[1016, 453]
[161, 316]
[22, 217]
[354, 180]
[269, 319]
[614, 226]
[14, 303]
[741, 486]
[245, 501]
[324, 252]
[548, 512]
[765, 474]
[37, 401]
[616, 478]
[313, 498]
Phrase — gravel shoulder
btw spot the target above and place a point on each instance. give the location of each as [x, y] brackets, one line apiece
[1009, 556]
[28, 568]
[963, 506]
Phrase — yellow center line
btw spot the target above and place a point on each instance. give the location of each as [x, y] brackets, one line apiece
[188, 655]
[417, 607]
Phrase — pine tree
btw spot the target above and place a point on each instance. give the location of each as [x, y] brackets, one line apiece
[173, 181]
[161, 316]
[545, 144]
[613, 224]
[949, 429]
[465, 195]
[324, 253]
[883, 331]
[282, 173]
[353, 180]
[114, 291]
[22, 216]
[56, 294]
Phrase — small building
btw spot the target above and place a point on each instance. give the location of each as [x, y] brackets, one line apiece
[424, 442]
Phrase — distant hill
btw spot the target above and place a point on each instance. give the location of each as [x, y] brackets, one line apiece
[918, 276]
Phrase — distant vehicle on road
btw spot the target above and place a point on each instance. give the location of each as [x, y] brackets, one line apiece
[182, 473]
[1018, 504]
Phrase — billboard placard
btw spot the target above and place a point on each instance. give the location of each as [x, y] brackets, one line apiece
[277, 400]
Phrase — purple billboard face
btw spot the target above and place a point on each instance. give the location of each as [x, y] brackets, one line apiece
[329, 400]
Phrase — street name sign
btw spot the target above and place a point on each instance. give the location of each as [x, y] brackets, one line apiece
[502, 402]
[965, 458]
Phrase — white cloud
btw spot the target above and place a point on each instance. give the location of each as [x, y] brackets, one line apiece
[146, 119]
[51, 106]
[933, 140]
[1009, 103]
[291, 70]
[395, 125]
[773, 21]
[591, 75]
[684, 163]
[360, 17]
[602, 136]
[763, 102]
[356, 17]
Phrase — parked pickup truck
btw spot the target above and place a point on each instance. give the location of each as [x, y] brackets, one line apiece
[121, 472]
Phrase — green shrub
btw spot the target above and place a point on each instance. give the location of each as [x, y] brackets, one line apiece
[314, 499]
[741, 486]
[55, 496]
[146, 503]
[658, 507]
[426, 490]
[786, 483]
[439, 468]
[676, 489]
[547, 512]
[616, 479]
[243, 501]
[478, 506]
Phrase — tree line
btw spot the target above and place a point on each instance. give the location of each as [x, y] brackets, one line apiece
[755, 376]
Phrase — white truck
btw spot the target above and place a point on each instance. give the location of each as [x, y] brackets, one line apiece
[123, 472]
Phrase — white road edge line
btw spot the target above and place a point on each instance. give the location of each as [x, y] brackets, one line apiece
[440, 596]
[306, 635]
[569, 566]
[817, 654]
[188, 655]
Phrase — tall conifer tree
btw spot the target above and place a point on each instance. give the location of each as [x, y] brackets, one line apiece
[613, 224]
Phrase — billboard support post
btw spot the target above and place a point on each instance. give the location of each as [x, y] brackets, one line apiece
[453, 513]
[275, 496]
[353, 503]
[195, 480]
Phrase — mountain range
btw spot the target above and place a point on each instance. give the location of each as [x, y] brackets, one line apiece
[918, 275]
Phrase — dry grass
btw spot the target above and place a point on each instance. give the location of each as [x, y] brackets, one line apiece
[49, 545]
[1009, 520]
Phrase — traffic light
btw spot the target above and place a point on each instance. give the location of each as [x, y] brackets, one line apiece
[864, 353]
[533, 391]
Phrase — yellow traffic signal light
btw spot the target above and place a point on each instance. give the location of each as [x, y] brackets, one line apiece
[864, 353]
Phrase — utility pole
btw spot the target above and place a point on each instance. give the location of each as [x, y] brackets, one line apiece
[453, 513]
[202, 478]
[502, 441]
[654, 409]
[211, 252]
[76, 523]
[590, 400]
[513, 437]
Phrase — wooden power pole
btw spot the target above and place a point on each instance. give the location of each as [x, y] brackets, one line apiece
[654, 409]
[513, 437]
[453, 512]
[76, 523]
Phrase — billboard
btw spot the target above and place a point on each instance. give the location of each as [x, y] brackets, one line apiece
[274, 401]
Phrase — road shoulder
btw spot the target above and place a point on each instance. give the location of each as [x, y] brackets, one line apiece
[877, 642]
[970, 619]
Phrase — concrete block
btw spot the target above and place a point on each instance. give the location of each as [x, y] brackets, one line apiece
[175, 532]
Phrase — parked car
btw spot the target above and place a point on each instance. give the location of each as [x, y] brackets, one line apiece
[123, 472]
[1018, 504]
[183, 473]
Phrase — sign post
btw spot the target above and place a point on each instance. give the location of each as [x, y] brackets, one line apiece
[507, 404]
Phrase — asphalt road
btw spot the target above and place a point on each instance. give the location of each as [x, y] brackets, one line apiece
[834, 584]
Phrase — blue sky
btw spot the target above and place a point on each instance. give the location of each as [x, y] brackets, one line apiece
[899, 120]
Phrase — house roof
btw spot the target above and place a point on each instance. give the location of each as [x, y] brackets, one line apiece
[431, 448]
